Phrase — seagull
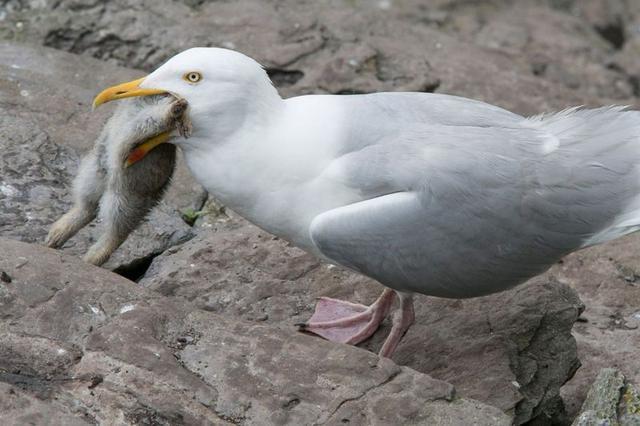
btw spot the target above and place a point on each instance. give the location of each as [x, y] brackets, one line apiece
[425, 193]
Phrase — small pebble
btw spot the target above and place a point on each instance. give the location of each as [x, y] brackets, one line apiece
[95, 381]
[634, 321]
[127, 308]
[228, 45]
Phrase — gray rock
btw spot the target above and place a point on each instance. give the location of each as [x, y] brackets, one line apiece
[342, 46]
[96, 348]
[610, 401]
[528, 56]
[19, 407]
[561, 48]
[607, 279]
[516, 344]
[46, 125]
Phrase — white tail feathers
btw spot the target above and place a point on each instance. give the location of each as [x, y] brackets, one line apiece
[602, 148]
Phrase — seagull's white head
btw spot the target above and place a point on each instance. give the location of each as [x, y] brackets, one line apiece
[225, 89]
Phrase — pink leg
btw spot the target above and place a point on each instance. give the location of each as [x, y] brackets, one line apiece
[402, 320]
[346, 322]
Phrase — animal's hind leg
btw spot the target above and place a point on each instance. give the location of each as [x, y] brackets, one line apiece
[132, 193]
[100, 252]
[120, 216]
[87, 188]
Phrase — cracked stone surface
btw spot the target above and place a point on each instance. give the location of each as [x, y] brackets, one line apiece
[607, 278]
[549, 51]
[511, 350]
[529, 56]
[46, 125]
[612, 400]
[96, 348]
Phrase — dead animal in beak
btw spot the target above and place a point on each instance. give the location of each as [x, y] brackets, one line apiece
[125, 174]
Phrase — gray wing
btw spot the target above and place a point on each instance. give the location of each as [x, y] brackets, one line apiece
[460, 211]
[399, 241]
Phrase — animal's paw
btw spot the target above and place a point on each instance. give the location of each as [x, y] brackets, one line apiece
[102, 250]
[59, 233]
[97, 255]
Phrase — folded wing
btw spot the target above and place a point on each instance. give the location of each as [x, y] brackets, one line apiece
[462, 211]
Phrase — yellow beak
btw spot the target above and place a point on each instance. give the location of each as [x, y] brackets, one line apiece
[143, 149]
[124, 90]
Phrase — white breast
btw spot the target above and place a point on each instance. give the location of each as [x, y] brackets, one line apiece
[276, 177]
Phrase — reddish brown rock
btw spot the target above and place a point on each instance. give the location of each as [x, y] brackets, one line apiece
[95, 348]
[608, 336]
[513, 350]
[528, 56]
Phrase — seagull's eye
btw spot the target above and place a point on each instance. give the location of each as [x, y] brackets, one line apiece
[192, 77]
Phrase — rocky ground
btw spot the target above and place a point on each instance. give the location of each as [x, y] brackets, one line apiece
[197, 326]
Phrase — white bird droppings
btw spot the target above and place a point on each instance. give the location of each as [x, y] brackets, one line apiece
[61, 351]
[384, 4]
[24, 93]
[127, 308]
[516, 384]
[8, 190]
[228, 45]
[94, 309]
[23, 261]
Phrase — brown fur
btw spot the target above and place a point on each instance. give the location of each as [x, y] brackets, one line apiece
[122, 196]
